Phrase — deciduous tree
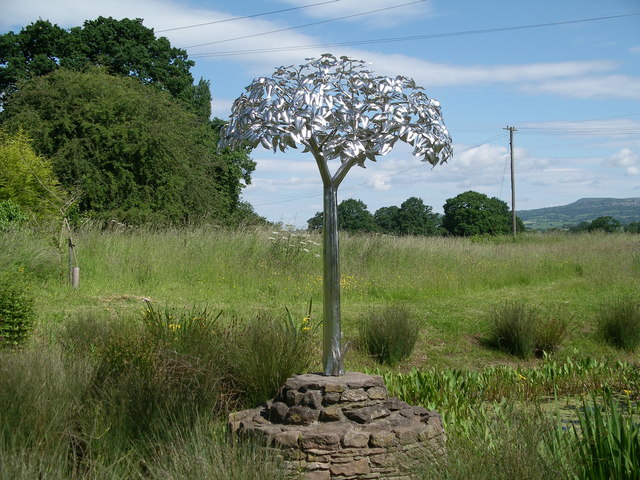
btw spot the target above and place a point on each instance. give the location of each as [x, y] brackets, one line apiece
[122, 47]
[136, 153]
[473, 213]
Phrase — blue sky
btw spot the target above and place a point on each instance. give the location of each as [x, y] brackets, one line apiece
[571, 89]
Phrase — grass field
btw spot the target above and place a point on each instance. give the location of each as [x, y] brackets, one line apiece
[450, 285]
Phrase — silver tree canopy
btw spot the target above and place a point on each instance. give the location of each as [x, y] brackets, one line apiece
[336, 108]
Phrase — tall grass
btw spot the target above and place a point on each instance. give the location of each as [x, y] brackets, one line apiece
[608, 441]
[105, 390]
[620, 322]
[389, 334]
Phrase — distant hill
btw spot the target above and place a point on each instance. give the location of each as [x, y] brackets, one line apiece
[625, 210]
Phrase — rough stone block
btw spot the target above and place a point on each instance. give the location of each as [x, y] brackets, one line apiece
[331, 414]
[366, 414]
[312, 399]
[300, 415]
[318, 475]
[277, 412]
[382, 439]
[377, 393]
[293, 397]
[331, 398]
[357, 395]
[287, 439]
[356, 467]
[320, 441]
[355, 439]
[310, 466]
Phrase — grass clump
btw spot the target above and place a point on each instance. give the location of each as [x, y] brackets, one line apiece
[390, 334]
[268, 350]
[619, 323]
[519, 329]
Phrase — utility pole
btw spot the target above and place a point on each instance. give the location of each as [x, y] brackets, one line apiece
[513, 179]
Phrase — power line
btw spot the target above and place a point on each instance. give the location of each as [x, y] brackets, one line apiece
[307, 24]
[247, 16]
[398, 39]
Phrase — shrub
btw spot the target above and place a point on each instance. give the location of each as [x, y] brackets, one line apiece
[619, 322]
[390, 334]
[17, 313]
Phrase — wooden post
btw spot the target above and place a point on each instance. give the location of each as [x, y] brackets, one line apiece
[71, 245]
[75, 277]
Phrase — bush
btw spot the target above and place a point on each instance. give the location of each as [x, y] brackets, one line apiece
[17, 313]
[619, 323]
[390, 334]
[520, 330]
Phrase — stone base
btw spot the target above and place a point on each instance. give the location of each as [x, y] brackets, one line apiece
[343, 428]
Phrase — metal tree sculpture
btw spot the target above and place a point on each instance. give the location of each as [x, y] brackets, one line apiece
[336, 108]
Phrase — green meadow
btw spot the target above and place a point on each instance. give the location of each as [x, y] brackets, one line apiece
[132, 374]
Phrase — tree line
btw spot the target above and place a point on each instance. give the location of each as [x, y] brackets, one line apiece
[470, 213]
[105, 121]
[605, 224]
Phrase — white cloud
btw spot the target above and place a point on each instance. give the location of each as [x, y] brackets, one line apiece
[588, 86]
[625, 159]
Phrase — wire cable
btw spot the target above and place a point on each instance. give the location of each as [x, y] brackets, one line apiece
[398, 39]
[307, 24]
[246, 16]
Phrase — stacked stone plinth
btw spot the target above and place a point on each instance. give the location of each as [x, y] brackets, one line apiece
[343, 428]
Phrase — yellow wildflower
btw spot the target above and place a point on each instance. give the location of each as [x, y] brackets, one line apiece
[174, 326]
[521, 377]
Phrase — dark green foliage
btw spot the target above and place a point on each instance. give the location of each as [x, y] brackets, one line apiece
[314, 224]
[387, 219]
[389, 334]
[136, 155]
[17, 314]
[473, 213]
[619, 322]
[633, 227]
[353, 216]
[605, 224]
[413, 217]
[122, 47]
[521, 330]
